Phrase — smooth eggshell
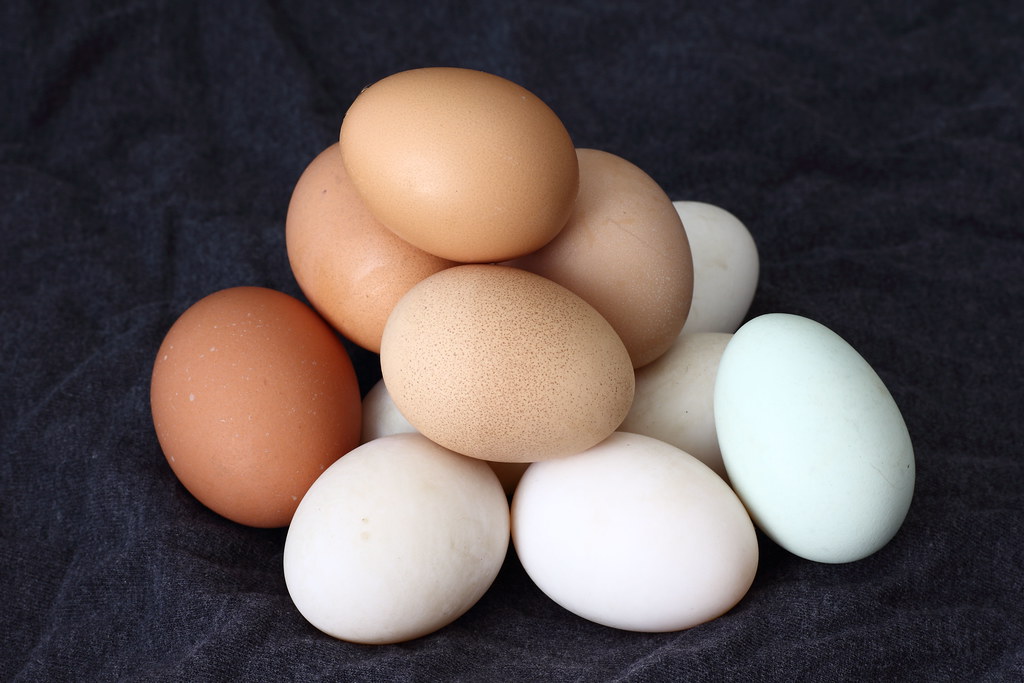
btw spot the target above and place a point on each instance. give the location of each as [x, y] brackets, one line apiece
[396, 540]
[350, 267]
[634, 534]
[253, 396]
[461, 163]
[725, 267]
[813, 442]
[625, 252]
[381, 417]
[675, 394]
[502, 364]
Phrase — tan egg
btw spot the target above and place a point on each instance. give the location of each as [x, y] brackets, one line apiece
[501, 364]
[461, 163]
[624, 250]
[253, 396]
[350, 267]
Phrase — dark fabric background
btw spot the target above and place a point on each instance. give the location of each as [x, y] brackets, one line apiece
[148, 150]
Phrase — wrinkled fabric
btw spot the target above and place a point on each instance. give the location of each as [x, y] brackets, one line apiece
[148, 151]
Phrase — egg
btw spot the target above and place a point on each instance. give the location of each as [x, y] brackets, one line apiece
[350, 267]
[395, 540]
[381, 417]
[634, 534]
[726, 267]
[461, 163]
[674, 398]
[625, 252]
[812, 440]
[502, 364]
[253, 396]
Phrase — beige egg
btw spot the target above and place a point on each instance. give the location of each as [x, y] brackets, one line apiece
[461, 163]
[675, 396]
[350, 267]
[624, 250]
[502, 364]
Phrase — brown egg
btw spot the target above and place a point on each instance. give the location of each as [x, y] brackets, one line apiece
[461, 163]
[501, 364]
[253, 396]
[352, 269]
[624, 250]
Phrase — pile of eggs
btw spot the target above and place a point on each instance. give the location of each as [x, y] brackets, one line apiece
[563, 369]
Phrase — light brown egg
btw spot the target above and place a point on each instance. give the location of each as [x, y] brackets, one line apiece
[624, 250]
[253, 396]
[461, 163]
[501, 364]
[351, 268]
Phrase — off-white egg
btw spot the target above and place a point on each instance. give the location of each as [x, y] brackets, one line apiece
[634, 534]
[725, 267]
[813, 442]
[395, 540]
[381, 417]
[675, 395]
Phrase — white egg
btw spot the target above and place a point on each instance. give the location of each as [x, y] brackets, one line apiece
[725, 267]
[381, 417]
[634, 534]
[395, 540]
[674, 399]
[813, 442]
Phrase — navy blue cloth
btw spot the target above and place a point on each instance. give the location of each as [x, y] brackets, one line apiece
[148, 151]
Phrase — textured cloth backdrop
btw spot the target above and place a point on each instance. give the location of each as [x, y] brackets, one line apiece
[148, 150]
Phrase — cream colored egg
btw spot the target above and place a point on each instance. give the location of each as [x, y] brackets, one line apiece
[634, 534]
[675, 395]
[381, 417]
[395, 540]
[725, 267]
[502, 364]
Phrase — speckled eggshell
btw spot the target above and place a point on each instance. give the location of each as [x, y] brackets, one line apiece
[461, 163]
[675, 397]
[624, 250]
[726, 267]
[396, 540]
[253, 396]
[381, 417]
[502, 364]
[813, 442]
[350, 267]
[634, 534]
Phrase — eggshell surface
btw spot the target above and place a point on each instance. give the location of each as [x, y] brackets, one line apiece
[726, 267]
[350, 267]
[634, 534]
[253, 396]
[675, 397]
[381, 417]
[461, 163]
[396, 540]
[625, 252]
[813, 442]
[502, 364]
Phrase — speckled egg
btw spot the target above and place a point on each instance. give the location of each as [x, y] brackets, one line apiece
[502, 364]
